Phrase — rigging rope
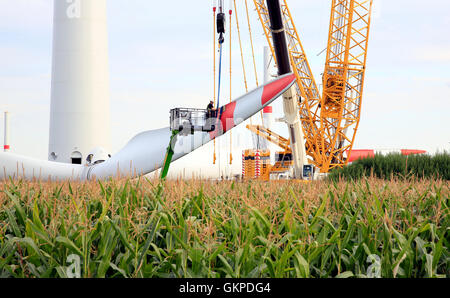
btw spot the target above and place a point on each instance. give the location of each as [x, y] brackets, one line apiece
[214, 67]
[253, 52]
[251, 43]
[218, 94]
[242, 52]
[221, 31]
[220, 78]
[231, 133]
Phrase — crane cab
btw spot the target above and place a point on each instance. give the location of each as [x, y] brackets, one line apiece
[187, 120]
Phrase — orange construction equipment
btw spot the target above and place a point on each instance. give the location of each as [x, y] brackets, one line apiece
[283, 159]
[256, 164]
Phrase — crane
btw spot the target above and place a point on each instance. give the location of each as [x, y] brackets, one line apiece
[283, 159]
[329, 121]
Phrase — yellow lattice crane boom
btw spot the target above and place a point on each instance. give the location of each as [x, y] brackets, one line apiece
[343, 79]
[330, 121]
[270, 136]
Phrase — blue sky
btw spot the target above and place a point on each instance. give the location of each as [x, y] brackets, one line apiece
[161, 57]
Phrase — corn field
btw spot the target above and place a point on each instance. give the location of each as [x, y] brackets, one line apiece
[396, 165]
[145, 228]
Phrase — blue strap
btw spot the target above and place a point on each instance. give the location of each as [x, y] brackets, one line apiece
[220, 76]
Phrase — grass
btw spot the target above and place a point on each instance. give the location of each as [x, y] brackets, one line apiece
[143, 228]
[396, 165]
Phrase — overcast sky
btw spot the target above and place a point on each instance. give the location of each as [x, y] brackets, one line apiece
[161, 57]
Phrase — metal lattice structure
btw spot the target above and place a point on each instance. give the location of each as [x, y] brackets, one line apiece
[343, 78]
[270, 136]
[330, 121]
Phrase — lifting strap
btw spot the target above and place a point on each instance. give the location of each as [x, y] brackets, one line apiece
[220, 76]
[221, 32]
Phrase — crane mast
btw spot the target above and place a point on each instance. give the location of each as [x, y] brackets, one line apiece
[290, 97]
[343, 79]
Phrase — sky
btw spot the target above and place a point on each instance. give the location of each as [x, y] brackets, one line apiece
[160, 57]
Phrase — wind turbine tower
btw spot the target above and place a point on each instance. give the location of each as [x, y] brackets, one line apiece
[80, 110]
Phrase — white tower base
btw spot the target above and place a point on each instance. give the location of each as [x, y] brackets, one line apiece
[80, 111]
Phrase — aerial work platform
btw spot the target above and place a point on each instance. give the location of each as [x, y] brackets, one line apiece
[188, 120]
